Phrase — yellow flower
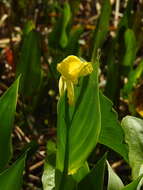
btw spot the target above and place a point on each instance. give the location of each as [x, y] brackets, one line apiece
[71, 68]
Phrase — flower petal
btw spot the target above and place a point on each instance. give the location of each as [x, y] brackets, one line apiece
[62, 86]
[87, 69]
[70, 92]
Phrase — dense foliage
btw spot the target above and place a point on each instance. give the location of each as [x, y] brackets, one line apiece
[71, 103]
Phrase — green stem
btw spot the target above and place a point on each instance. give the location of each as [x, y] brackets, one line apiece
[66, 161]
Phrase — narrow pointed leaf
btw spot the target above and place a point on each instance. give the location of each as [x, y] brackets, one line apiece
[29, 65]
[131, 47]
[114, 182]
[7, 112]
[103, 25]
[66, 15]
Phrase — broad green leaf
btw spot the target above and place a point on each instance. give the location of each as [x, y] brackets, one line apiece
[135, 185]
[95, 179]
[48, 177]
[111, 128]
[66, 15]
[85, 128]
[11, 179]
[133, 129]
[130, 45]
[78, 135]
[103, 25]
[114, 182]
[7, 112]
[29, 64]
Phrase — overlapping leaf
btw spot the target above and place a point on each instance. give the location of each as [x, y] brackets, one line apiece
[95, 179]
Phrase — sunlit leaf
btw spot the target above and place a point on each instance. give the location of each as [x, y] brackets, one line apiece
[133, 129]
[114, 182]
[48, 177]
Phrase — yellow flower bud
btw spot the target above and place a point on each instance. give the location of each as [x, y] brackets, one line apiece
[71, 68]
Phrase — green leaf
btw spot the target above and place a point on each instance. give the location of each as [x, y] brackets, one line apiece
[95, 179]
[58, 38]
[115, 52]
[78, 135]
[29, 65]
[73, 42]
[85, 128]
[66, 15]
[11, 179]
[48, 177]
[130, 45]
[29, 26]
[114, 182]
[135, 185]
[133, 77]
[7, 112]
[133, 129]
[81, 173]
[111, 128]
[126, 20]
[103, 25]
[66, 182]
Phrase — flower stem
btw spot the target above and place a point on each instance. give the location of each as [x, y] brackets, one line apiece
[66, 161]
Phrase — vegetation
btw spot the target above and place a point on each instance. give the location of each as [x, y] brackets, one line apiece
[71, 95]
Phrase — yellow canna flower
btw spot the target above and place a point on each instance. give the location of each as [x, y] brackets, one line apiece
[71, 68]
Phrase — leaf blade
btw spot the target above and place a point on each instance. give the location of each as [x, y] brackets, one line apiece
[8, 107]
